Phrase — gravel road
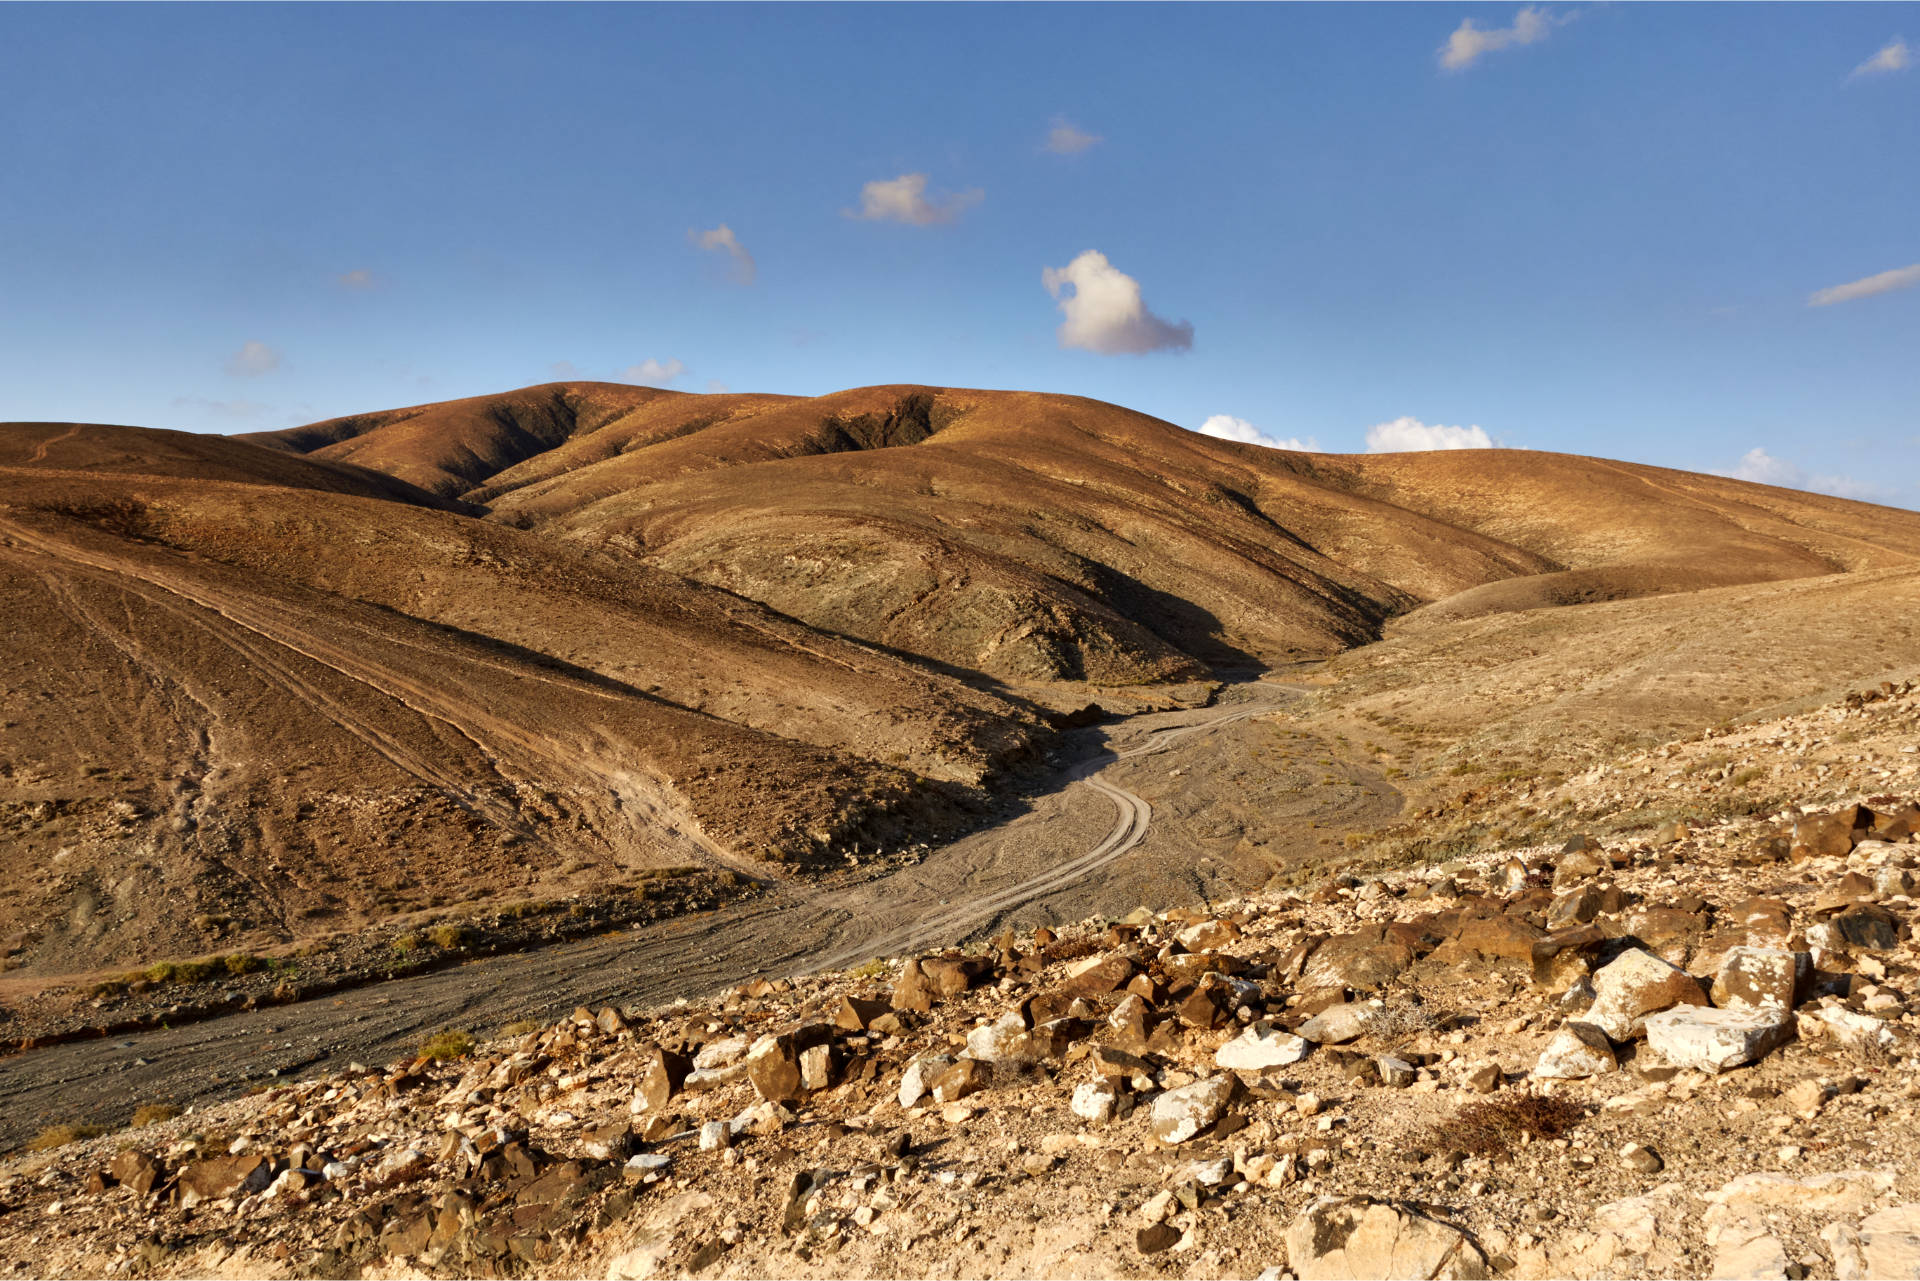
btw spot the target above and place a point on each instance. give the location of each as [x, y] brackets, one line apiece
[1036, 867]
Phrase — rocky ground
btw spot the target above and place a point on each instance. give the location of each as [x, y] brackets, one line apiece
[1658, 1035]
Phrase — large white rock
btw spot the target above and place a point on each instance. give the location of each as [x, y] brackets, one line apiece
[1340, 1239]
[1890, 1242]
[1708, 1040]
[1634, 985]
[1003, 1040]
[1861, 1031]
[1180, 1114]
[1260, 1047]
[1577, 1050]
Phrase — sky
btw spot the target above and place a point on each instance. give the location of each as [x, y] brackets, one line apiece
[1679, 234]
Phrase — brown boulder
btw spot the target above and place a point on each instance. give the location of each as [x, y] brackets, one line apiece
[661, 1074]
[1098, 975]
[224, 1176]
[136, 1170]
[856, 1014]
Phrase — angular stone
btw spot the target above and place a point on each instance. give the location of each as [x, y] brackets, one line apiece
[1860, 1031]
[1098, 975]
[224, 1176]
[1342, 1238]
[1710, 1040]
[1872, 929]
[1366, 960]
[724, 1052]
[962, 1077]
[1767, 979]
[1208, 936]
[773, 1066]
[1260, 1047]
[1095, 1101]
[1496, 937]
[856, 1014]
[1180, 1114]
[1890, 1242]
[1002, 1041]
[1575, 866]
[816, 1067]
[1577, 1050]
[610, 1022]
[611, 1142]
[950, 976]
[662, 1073]
[715, 1135]
[1634, 985]
[1576, 907]
[920, 1075]
[136, 1170]
[1395, 1073]
[913, 993]
[1339, 1024]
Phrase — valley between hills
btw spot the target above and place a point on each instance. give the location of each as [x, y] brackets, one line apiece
[319, 740]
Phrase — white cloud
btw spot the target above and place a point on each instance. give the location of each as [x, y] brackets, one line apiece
[1468, 42]
[904, 199]
[722, 239]
[566, 371]
[1105, 313]
[1406, 434]
[1895, 56]
[1227, 427]
[1762, 468]
[253, 358]
[717, 388]
[359, 278]
[653, 373]
[1064, 139]
[1866, 287]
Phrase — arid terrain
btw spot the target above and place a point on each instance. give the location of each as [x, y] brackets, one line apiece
[450, 719]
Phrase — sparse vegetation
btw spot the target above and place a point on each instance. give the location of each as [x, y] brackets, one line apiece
[153, 1114]
[1493, 1128]
[450, 936]
[450, 1044]
[58, 1136]
[520, 1027]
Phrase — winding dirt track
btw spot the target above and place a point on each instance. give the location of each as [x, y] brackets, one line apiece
[1043, 861]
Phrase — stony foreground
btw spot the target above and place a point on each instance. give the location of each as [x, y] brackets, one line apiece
[1685, 1054]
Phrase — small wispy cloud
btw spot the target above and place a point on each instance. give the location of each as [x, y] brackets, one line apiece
[252, 359]
[904, 199]
[1405, 435]
[566, 371]
[1105, 312]
[1866, 287]
[1762, 468]
[653, 373]
[1469, 43]
[1897, 55]
[358, 278]
[722, 240]
[1227, 427]
[717, 388]
[239, 410]
[1067, 139]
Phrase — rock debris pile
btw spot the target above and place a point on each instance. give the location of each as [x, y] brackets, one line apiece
[1686, 1054]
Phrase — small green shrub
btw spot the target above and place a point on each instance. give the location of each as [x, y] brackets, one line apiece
[450, 1044]
[450, 936]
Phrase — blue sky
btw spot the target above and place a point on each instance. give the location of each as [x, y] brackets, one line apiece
[1599, 229]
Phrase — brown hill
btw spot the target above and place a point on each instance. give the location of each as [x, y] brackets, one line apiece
[1040, 537]
[539, 643]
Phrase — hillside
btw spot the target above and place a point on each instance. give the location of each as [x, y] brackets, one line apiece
[1040, 537]
[541, 646]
